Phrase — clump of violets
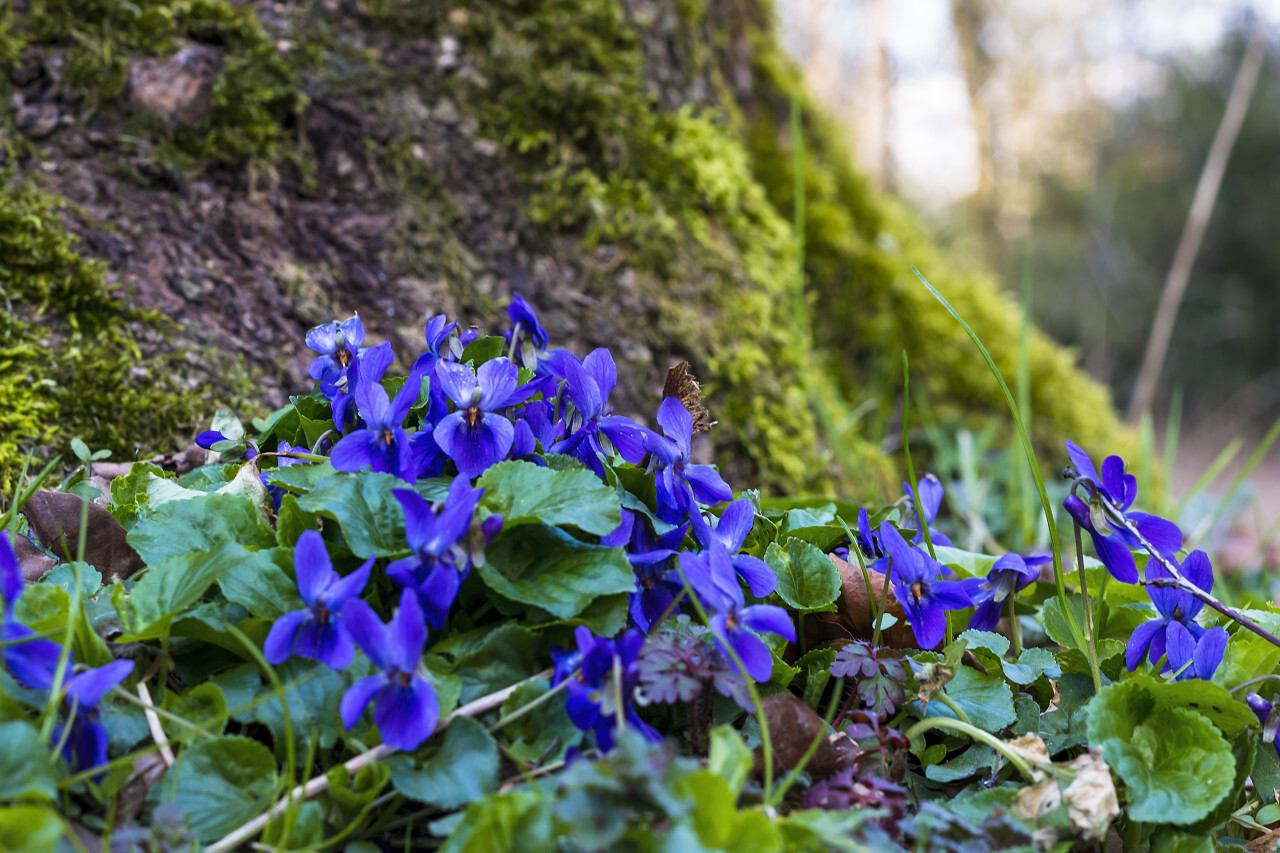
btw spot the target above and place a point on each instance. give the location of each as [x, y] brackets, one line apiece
[657, 584]
[405, 708]
[918, 586]
[592, 428]
[731, 531]
[601, 690]
[477, 434]
[383, 444]
[443, 552]
[1188, 648]
[1111, 541]
[681, 486]
[735, 625]
[318, 632]
[30, 659]
[1011, 574]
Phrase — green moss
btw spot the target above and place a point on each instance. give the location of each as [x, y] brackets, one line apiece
[70, 365]
[860, 250]
[257, 95]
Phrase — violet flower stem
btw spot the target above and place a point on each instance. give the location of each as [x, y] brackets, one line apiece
[1177, 579]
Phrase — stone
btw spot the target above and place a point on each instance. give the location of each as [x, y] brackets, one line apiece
[179, 89]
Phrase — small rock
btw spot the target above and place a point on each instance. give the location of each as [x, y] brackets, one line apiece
[38, 121]
[445, 112]
[179, 89]
[485, 147]
[448, 53]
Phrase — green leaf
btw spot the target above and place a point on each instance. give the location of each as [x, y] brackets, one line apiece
[1244, 749]
[807, 578]
[261, 585]
[225, 422]
[129, 493]
[501, 822]
[202, 705]
[523, 492]
[1266, 773]
[371, 518]
[44, 608]
[305, 829]
[80, 449]
[1247, 656]
[463, 768]
[221, 783]
[1175, 764]
[489, 659]
[313, 692]
[174, 584]
[483, 349]
[202, 523]
[985, 699]
[990, 649]
[292, 521]
[729, 758]
[299, 478]
[824, 537]
[973, 760]
[544, 566]
[26, 769]
[529, 736]
[967, 563]
[29, 829]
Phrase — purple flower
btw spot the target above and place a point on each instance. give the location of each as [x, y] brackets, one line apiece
[405, 707]
[86, 743]
[441, 335]
[337, 345]
[31, 660]
[681, 486]
[317, 632]
[210, 437]
[528, 335]
[476, 436]
[1175, 635]
[656, 584]
[594, 694]
[930, 488]
[592, 428]
[731, 530]
[441, 558]
[1011, 573]
[382, 444]
[712, 577]
[924, 597]
[1270, 720]
[1113, 544]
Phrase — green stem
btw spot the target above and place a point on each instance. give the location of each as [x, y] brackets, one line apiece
[942, 697]
[1025, 437]
[524, 709]
[1091, 648]
[818, 738]
[977, 734]
[911, 469]
[68, 636]
[766, 745]
[1015, 626]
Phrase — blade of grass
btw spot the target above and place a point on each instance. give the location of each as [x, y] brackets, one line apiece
[906, 451]
[1220, 462]
[1032, 461]
[1251, 465]
[1018, 491]
[1172, 434]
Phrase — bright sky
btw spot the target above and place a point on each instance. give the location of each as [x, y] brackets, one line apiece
[1120, 43]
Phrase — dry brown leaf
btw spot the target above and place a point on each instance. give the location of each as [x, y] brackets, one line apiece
[681, 384]
[54, 516]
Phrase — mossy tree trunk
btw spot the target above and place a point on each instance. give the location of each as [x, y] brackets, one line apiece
[249, 170]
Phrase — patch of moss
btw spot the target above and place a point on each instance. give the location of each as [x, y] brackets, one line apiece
[70, 364]
[860, 251]
[257, 95]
